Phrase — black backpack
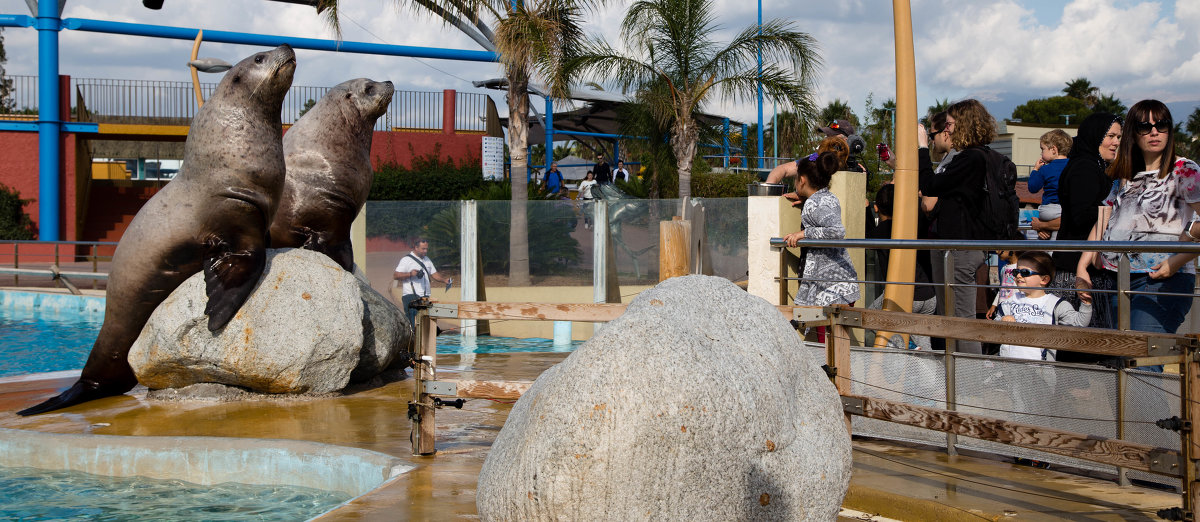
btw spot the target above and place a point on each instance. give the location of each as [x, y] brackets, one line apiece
[1000, 216]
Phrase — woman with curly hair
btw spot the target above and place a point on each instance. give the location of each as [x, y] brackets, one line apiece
[1155, 197]
[959, 189]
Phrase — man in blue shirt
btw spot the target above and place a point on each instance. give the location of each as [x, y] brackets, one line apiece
[554, 179]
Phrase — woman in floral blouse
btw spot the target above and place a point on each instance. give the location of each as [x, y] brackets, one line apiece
[821, 218]
[1155, 197]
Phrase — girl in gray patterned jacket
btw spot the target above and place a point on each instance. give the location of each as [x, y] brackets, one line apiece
[829, 276]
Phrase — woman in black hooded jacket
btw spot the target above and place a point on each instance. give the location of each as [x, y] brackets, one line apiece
[1082, 187]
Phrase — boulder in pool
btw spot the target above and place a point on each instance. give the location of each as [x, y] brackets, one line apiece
[308, 327]
[699, 403]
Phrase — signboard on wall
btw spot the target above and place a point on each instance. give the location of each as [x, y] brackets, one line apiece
[493, 158]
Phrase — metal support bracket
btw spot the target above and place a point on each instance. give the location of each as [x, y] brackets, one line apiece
[805, 317]
[1162, 347]
[846, 318]
[440, 388]
[853, 405]
[1165, 463]
[443, 310]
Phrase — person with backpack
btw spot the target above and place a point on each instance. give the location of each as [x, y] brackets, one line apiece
[411, 279]
[976, 201]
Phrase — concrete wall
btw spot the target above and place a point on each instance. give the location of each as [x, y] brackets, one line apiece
[1025, 139]
[771, 216]
[204, 460]
[399, 148]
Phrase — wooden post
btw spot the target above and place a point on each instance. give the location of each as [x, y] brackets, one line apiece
[674, 240]
[837, 356]
[425, 425]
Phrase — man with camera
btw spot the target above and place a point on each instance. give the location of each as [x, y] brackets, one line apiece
[410, 281]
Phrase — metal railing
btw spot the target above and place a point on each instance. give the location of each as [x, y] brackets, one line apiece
[959, 371]
[39, 262]
[174, 103]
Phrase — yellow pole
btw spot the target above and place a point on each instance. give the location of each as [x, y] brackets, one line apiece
[902, 263]
[195, 76]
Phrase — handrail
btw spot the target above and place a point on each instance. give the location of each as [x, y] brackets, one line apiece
[1025, 244]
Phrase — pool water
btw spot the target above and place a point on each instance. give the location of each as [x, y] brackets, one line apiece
[448, 343]
[55, 333]
[38, 494]
[36, 340]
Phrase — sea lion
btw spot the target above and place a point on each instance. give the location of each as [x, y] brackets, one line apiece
[213, 216]
[328, 156]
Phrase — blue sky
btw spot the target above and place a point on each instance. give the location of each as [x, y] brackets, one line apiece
[1003, 52]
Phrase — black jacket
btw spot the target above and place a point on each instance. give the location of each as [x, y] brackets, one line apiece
[959, 189]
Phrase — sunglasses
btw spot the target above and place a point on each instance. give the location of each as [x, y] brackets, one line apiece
[935, 133]
[1025, 272]
[1143, 127]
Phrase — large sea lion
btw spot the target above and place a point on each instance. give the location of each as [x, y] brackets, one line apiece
[328, 156]
[213, 216]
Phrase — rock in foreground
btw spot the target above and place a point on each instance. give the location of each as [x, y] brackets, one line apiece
[699, 403]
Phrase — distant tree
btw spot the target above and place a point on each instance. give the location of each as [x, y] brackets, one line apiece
[795, 134]
[15, 224]
[1191, 145]
[1184, 145]
[1110, 104]
[837, 110]
[938, 106]
[307, 105]
[1082, 89]
[1051, 110]
[7, 104]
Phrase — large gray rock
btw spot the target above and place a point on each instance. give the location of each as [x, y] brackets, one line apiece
[301, 331]
[699, 403]
[386, 334]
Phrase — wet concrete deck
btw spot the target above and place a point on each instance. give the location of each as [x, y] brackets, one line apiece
[893, 480]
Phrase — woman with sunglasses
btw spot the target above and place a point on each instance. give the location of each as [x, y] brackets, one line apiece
[1154, 199]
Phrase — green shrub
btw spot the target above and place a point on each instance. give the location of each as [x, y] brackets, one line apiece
[430, 178]
[721, 185]
[14, 223]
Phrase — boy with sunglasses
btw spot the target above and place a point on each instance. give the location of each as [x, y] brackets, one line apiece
[1032, 305]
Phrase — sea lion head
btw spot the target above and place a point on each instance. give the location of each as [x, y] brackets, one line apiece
[264, 76]
[368, 99]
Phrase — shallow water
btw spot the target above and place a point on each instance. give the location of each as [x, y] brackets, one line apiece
[40, 340]
[452, 343]
[38, 494]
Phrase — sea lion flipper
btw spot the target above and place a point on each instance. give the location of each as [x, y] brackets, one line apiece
[342, 254]
[83, 391]
[229, 277]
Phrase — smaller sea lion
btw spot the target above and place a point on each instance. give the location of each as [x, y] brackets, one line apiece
[328, 156]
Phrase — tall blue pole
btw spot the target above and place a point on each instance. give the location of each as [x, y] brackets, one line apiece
[725, 142]
[759, 162]
[49, 201]
[549, 133]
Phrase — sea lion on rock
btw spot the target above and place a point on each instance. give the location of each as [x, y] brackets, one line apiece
[328, 156]
[213, 216]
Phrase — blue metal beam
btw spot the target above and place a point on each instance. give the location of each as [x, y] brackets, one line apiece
[28, 126]
[599, 134]
[184, 33]
[49, 149]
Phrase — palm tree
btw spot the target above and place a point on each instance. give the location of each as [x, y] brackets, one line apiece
[529, 35]
[837, 110]
[795, 133]
[1082, 89]
[1110, 104]
[675, 68]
